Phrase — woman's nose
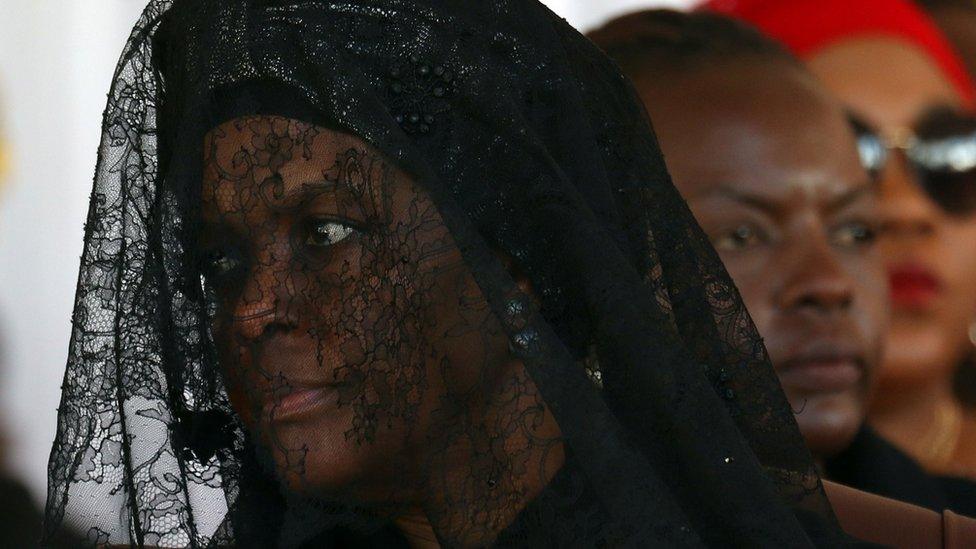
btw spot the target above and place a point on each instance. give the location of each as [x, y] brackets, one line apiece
[263, 302]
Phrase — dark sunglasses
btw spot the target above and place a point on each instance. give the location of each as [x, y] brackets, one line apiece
[941, 150]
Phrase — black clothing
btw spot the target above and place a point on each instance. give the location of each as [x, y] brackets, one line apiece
[530, 145]
[20, 519]
[874, 465]
[531, 529]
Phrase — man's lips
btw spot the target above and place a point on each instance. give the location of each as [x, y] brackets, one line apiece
[821, 372]
[913, 286]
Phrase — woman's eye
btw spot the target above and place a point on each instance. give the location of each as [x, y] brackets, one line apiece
[219, 263]
[738, 238]
[854, 234]
[321, 234]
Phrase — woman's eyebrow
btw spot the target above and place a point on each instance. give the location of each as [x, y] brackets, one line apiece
[858, 123]
[297, 194]
[347, 198]
[319, 185]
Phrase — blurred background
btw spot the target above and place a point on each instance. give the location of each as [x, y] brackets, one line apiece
[56, 63]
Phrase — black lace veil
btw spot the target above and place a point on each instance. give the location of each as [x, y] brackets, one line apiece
[347, 260]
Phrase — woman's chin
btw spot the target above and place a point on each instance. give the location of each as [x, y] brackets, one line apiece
[325, 460]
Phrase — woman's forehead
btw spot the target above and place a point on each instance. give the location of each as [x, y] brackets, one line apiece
[258, 134]
[887, 81]
[284, 162]
[254, 148]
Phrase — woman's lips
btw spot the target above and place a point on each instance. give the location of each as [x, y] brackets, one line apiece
[913, 286]
[298, 403]
[821, 374]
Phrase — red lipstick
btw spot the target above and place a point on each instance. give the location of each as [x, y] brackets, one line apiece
[913, 286]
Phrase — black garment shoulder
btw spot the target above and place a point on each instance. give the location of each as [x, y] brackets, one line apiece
[565, 514]
[874, 465]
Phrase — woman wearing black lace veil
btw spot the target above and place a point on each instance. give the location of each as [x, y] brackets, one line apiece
[373, 273]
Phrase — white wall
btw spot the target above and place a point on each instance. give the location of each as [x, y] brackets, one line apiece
[587, 14]
[56, 62]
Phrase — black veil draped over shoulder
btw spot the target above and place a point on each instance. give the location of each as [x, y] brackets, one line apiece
[525, 337]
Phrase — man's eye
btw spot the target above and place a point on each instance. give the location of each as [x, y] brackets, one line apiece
[323, 233]
[738, 238]
[854, 234]
[219, 263]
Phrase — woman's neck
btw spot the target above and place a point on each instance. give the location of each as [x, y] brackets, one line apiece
[417, 529]
[490, 468]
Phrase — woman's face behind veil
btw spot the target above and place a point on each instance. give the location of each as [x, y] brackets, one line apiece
[355, 344]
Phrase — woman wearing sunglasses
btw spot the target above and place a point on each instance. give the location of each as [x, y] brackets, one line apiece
[957, 20]
[915, 102]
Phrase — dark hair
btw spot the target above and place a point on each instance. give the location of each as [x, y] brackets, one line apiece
[964, 381]
[930, 5]
[654, 40]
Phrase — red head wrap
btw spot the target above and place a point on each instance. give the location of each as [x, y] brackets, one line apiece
[807, 26]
